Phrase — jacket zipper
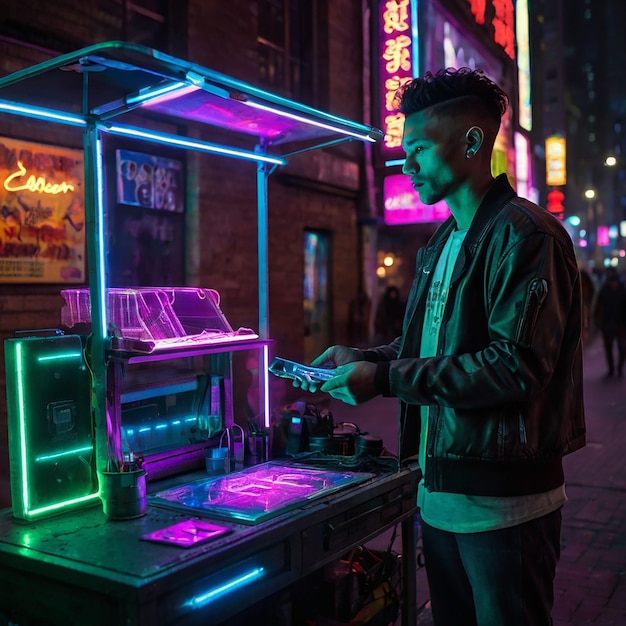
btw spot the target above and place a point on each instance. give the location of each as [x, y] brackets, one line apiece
[430, 477]
[537, 292]
[522, 430]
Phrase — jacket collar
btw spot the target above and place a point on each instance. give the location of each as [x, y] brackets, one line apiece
[496, 197]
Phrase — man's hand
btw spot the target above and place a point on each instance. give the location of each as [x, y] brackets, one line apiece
[336, 356]
[353, 384]
[331, 358]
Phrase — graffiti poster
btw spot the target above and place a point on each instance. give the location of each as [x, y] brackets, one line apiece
[42, 213]
[149, 181]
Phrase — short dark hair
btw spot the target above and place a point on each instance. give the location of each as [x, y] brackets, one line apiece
[450, 84]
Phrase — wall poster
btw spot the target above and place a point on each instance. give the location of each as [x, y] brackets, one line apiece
[147, 211]
[42, 213]
[149, 181]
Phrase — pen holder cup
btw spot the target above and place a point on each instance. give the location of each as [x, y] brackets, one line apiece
[217, 461]
[123, 494]
[256, 449]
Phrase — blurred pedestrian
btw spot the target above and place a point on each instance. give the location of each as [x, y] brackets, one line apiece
[488, 369]
[610, 319]
[389, 316]
[359, 319]
[588, 290]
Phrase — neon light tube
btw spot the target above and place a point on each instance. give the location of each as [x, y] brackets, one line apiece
[146, 95]
[54, 357]
[266, 386]
[415, 48]
[204, 598]
[41, 113]
[65, 503]
[394, 162]
[50, 457]
[170, 95]
[193, 144]
[100, 204]
[22, 418]
[306, 120]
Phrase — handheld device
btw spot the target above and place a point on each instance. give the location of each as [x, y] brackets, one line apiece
[297, 371]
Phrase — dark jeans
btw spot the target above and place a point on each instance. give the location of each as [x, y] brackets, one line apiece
[495, 578]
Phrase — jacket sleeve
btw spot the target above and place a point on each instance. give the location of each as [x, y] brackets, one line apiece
[507, 352]
[383, 353]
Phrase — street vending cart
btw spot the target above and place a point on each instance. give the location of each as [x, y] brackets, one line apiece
[87, 540]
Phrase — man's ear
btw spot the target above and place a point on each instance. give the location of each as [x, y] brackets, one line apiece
[474, 137]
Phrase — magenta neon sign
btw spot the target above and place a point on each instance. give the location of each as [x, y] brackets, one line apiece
[403, 206]
[395, 68]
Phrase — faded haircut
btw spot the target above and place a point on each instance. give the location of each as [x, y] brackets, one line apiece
[463, 90]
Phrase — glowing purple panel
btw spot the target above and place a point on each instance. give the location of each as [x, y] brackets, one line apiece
[187, 534]
[257, 493]
[403, 205]
[239, 117]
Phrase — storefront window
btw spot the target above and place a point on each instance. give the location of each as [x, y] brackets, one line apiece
[286, 45]
[316, 293]
[145, 22]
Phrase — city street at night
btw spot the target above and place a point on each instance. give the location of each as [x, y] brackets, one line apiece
[209, 211]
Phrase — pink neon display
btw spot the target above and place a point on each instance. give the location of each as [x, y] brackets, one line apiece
[403, 206]
[603, 236]
[396, 66]
[257, 493]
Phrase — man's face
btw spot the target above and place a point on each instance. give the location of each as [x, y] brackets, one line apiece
[435, 155]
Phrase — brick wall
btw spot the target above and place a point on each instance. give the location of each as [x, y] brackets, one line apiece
[319, 190]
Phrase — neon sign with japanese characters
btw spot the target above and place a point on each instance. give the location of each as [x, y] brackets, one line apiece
[396, 64]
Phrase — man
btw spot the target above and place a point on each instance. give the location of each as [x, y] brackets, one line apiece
[610, 318]
[488, 368]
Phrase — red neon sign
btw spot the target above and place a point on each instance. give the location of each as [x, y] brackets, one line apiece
[504, 25]
[503, 21]
[478, 8]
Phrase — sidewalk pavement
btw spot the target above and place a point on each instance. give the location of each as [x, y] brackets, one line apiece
[590, 584]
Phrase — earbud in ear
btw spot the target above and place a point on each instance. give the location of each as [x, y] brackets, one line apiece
[474, 137]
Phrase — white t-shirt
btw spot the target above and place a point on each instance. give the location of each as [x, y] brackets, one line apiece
[456, 512]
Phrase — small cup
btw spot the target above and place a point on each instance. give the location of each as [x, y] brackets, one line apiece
[123, 494]
[217, 461]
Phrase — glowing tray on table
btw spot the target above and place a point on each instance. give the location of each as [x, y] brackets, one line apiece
[257, 493]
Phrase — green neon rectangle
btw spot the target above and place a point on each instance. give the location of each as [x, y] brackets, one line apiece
[51, 438]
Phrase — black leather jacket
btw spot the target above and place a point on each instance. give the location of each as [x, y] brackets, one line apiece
[505, 389]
